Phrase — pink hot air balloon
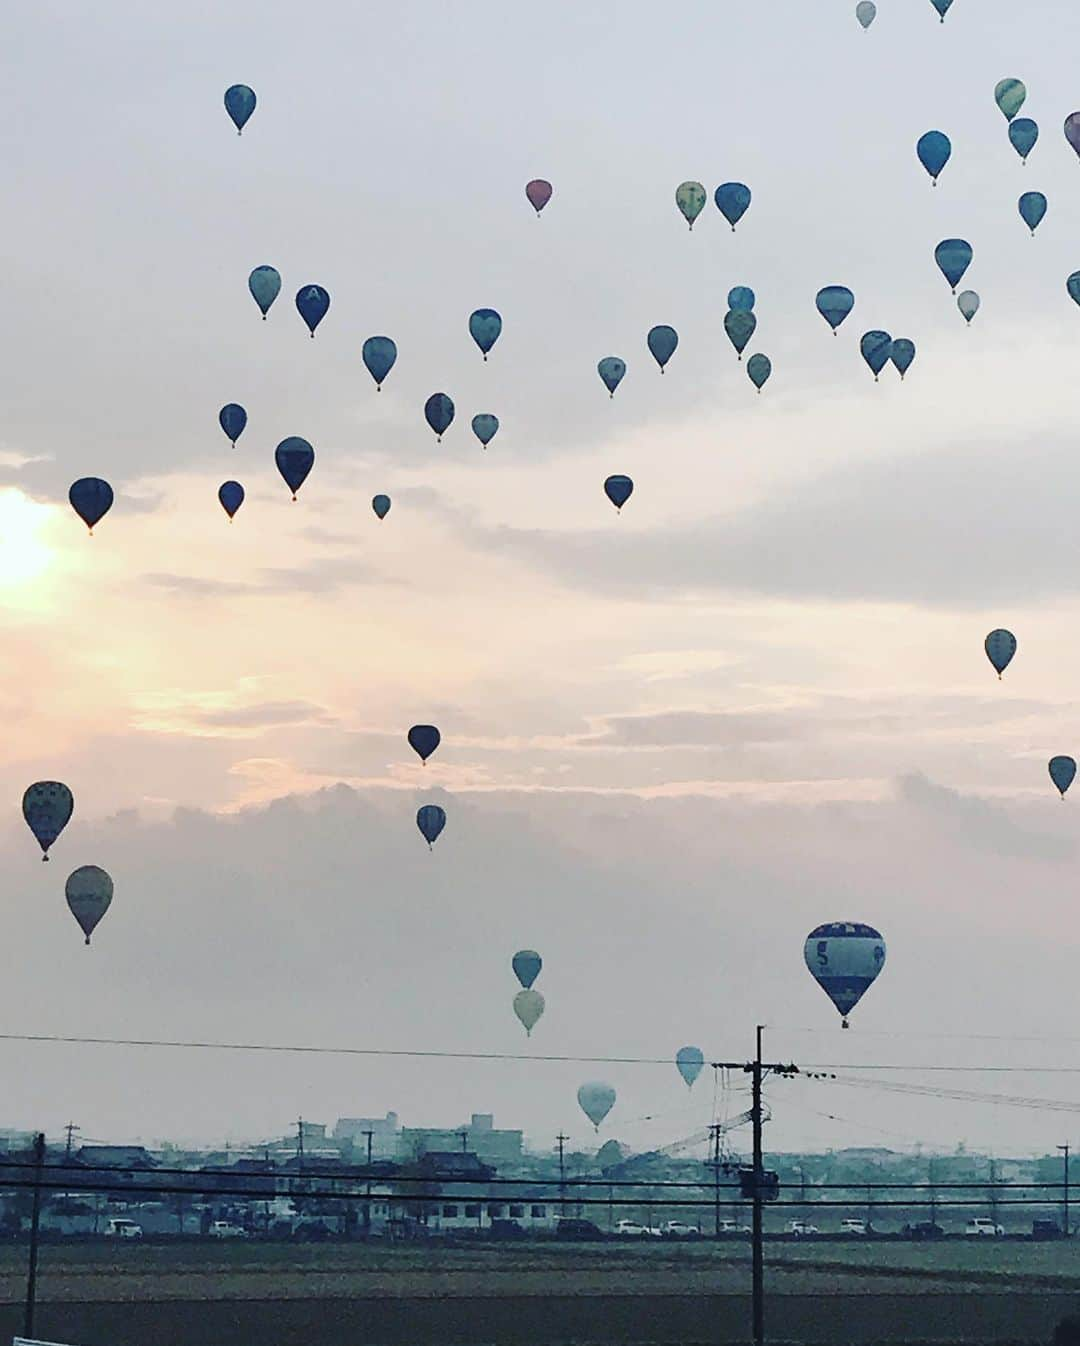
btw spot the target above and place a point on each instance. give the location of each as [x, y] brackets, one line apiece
[1072, 130]
[539, 193]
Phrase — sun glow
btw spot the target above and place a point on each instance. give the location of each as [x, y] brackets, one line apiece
[24, 553]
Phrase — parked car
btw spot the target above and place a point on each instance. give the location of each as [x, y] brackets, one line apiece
[578, 1230]
[982, 1228]
[123, 1229]
[1046, 1229]
[631, 1229]
[733, 1227]
[676, 1229]
[506, 1229]
[922, 1230]
[801, 1229]
[856, 1227]
[225, 1229]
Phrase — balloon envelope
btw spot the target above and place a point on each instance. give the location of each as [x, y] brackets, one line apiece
[526, 964]
[539, 193]
[758, 369]
[91, 499]
[1073, 286]
[294, 457]
[312, 303]
[231, 495]
[528, 1006]
[379, 355]
[969, 304]
[485, 427]
[834, 303]
[239, 104]
[431, 820]
[690, 197]
[662, 342]
[1000, 647]
[741, 299]
[942, 7]
[690, 1061]
[733, 201]
[484, 328]
[1032, 207]
[1023, 135]
[381, 505]
[265, 286]
[596, 1101]
[934, 150]
[611, 370]
[1062, 772]
[1072, 130]
[439, 413]
[424, 739]
[953, 256]
[903, 355]
[844, 958]
[866, 12]
[47, 807]
[618, 490]
[88, 890]
[740, 327]
[876, 350]
[232, 418]
[1010, 96]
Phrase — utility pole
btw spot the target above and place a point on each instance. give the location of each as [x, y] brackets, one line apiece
[1065, 1150]
[300, 1143]
[70, 1129]
[560, 1141]
[367, 1201]
[464, 1134]
[35, 1224]
[714, 1132]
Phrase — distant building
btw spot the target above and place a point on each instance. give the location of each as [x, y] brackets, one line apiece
[500, 1148]
[385, 1134]
[116, 1156]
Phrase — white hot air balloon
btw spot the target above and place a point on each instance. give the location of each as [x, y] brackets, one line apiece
[969, 304]
[596, 1101]
[89, 890]
[528, 1006]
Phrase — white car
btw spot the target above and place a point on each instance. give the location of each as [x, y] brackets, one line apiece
[980, 1228]
[123, 1229]
[734, 1227]
[801, 1229]
[222, 1229]
[854, 1227]
[675, 1229]
[631, 1229]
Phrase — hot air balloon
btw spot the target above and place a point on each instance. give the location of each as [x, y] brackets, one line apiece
[844, 959]
[424, 739]
[231, 495]
[484, 328]
[953, 256]
[834, 303]
[1062, 772]
[1072, 130]
[741, 299]
[47, 807]
[611, 370]
[312, 303]
[690, 197]
[232, 418]
[942, 7]
[294, 457]
[239, 104]
[903, 355]
[733, 201]
[379, 355]
[866, 12]
[689, 1061]
[1073, 286]
[265, 286]
[1033, 210]
[662, 343]
[618, 490]
[1010, 96]
[596, 1101]
[431, 820]
[1023, 135]
[528, 1006]
[526, 964]
[969, 304]
[876, 350]
[758, 369]
[1000, 646]
[91, 499]
[485, 427]
[934, 150]
[740, 327]
[539, 193]
[439, 414]
[89, 890]
[381, 505]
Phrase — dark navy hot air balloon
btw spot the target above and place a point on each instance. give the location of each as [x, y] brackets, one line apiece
[265, 286]
[485, 427]
[741, 299]
[1000, 646]
[484, 328]
[424, 739]
[381, 505]
[903, 355]
[1072, 130]
[942, 7]
[834, 303]
[47, 807]
[934, 150]
[1073, 287]
[526, 964]
[312, 303]
[618, 490]
[91, 499]
[611, 370]
[232, 418]
[1033, 210]
[239, 104]
[733, 201]
[662, 343]
[876, 350]
[953, 256]
[844, 959]
[690, 1062]
[231, 495]
[439, 414]
[294, 457]
[89, 893]
[758, 370]
[431, 820]
[539, 193]
[1062, 772]
[740, 326]
[1023, 135]
[379, 355]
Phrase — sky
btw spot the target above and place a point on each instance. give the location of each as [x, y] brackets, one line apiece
[674, 739]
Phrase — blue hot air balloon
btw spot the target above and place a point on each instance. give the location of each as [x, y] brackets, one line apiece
[231, 495]
[934, 150]
[741, 299]
[265, 286]
[844, 959]
[232, 418]
[439, 414]
[91, 499]
[758, 369]
[381, 505]
[485, 427]
[47, 807]
[662, 342]
[903, 355]
[431, 820]
[1000, 646]
[1023, 136]
[834, 303]
[526, 964]
[1033, 210]
[876, 350]
[1073, 286]
[312, 303]
[866, 12]
[942, 7]
[424, 739]
[733, 201]
[379, 355]
[239, 104]
[690, 1061]
[953, 256]
[740, 327]
[1062, 772]
[618, 490]
[611, 370]
[1010, 95]
[484, 328]
[294, 457]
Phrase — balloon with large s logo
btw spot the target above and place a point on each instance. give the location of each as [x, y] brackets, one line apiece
[844, 958]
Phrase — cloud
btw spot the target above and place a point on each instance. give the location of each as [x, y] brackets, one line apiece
[320, 576]
[267, 714]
